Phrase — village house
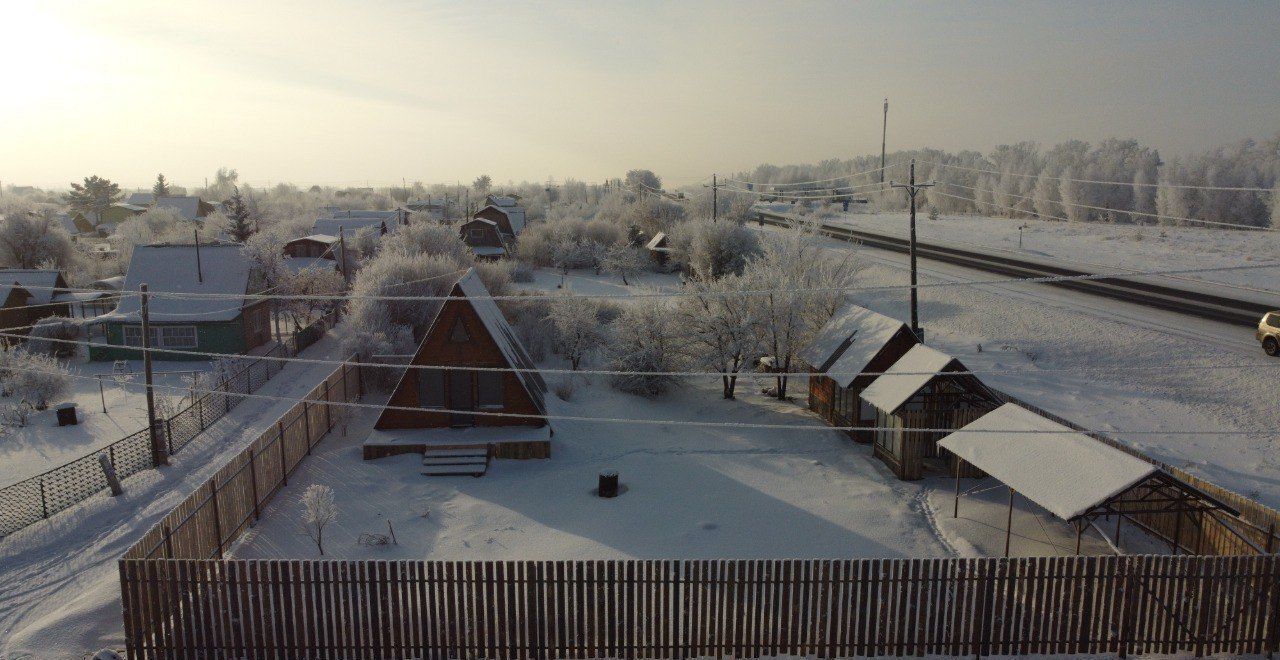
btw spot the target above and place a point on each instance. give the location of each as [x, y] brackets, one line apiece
[101, 300]
[484, 238]
[506, 212]
[433, 209]
[28, 295]
[349, 228]
[316, 251]
[398, 216]
[923, 390]
[109, 220]
[441, 412]
[230, 323]
[189, 207]
[856, 344]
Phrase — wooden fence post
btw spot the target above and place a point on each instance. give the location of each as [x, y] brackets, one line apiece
[168, 542]
[217, 519]
[253, 481]
[284, 464]
[306, 423]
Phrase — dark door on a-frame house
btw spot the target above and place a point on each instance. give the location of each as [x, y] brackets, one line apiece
[461, 386]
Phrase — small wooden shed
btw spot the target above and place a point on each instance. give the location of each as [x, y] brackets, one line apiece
[28, 295]
[923, 391]
[855, 343]
[484, 238]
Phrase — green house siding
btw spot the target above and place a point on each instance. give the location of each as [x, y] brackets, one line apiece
[220, 337]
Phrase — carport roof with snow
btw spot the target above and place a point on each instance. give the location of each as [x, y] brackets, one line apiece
[1061, 469]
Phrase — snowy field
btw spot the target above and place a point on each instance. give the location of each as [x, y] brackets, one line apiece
[1097, 246]
[43, 445]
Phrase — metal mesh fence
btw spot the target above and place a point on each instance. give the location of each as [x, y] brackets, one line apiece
[46, 494]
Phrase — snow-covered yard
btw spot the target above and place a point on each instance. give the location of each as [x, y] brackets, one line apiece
[43, 445]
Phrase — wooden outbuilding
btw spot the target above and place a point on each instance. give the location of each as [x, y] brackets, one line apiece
[659, 249]
[28, 295]
[315, 251]
[479, 391]
[923, 391]
[855, 343]
[506, 212]
[484, 238]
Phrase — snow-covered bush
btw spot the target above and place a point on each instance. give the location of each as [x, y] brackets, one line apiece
[710, 250]
[54, 335]
[642, 341]
[577, 328]
[318, 510]
[298, 286]
[521, 272]
[603, 232]
[30, 241]
[565, 388]
[530, 319]
[34, 379]
[429, 238]
[153, 226]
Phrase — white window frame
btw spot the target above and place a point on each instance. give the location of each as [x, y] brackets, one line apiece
[167, 340]
[160, 338]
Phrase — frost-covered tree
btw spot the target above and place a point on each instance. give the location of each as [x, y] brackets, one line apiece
[93, 197]
[54, 335]
[375, 326]
[577, 328]
[28, 241]
[153, 226]
[638, 179]
[624, 261]
[161, 187]
[318, 510]
[643, 341]
[721, 328]
[791, 265]
[296, 287]
[482, 185]
[429, 239]
[33, 379]
[711, 250]
[240, 225]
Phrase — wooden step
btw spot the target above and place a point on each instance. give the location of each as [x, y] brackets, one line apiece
[471, 470]
[456, 461]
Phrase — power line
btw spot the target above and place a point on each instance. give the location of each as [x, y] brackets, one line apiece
[610, 372]
[714, 294]
[804, 183]
[658, 422]
[1103, 208]
[1112, 183]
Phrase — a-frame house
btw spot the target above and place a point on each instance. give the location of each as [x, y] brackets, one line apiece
[484, 399]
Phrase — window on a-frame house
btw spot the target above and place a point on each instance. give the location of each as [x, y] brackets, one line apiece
[431, 388]
[459, 332]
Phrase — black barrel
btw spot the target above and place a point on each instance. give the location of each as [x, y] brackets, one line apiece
[608, 483]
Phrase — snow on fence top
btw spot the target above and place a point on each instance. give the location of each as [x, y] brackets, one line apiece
[1065, 471]
[907, 376]
[865, 332]
[222, 268]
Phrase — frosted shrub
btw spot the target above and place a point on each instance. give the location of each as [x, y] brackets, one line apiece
[496, 276]
[577, 328]
[532, 324]
[429, 238]
[395, 273]
[34, 379]
[28, 241]
[711, 250]
[318, 510]
[641, 341]
[521, 272]
[624, 261]
[54, 335]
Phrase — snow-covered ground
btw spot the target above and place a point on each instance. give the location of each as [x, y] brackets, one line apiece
[1109, 365]
[42, 444]
[59, 584]
[1097, 246]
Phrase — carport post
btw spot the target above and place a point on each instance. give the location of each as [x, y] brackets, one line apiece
[1008, 525]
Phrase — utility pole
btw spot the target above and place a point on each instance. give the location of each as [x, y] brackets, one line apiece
[159, 455]
[912, 188]
[715, 200]
[342, 252]
[884, 134]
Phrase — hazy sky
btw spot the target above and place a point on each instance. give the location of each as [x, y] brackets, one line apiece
[346, 92]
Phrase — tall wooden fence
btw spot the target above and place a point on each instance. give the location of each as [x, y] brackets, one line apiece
[212, 517]
[697, 608]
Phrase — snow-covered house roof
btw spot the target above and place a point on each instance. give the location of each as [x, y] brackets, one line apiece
[658, 242]
[869, 332]
[327, 239]
[67, 223]
[515, 215]
[222, 268]
[501, 200]
[1059, 468]
[187, 206]
[482, 221]
[140, 199]
[496, 325]
[351, 226]
[115, 283]
[41, 284]
[365, 213]
[136, 208]
[907, 376]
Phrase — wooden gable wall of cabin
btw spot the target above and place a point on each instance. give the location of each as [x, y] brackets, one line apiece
[946, 402]
[842, 406]
[478, 350]
[310, 249]
[481, 234]
[490, 213]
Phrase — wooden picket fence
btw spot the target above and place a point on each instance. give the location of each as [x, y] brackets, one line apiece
[211, 518]
[700, 608]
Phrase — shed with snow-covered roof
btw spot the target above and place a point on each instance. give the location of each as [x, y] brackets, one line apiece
[484, 238]
[316, 251]
[1072, 475]
[856, 341]
[350, 227]
[924, 391]
[28, 295]
[479, 382]
[199, 302]
[509, 216]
